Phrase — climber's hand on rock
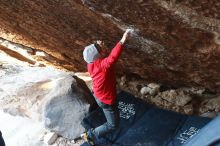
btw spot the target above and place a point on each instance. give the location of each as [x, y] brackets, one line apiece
[125, 35]
[100, 43]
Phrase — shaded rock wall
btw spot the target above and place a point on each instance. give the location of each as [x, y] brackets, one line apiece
[175, 42]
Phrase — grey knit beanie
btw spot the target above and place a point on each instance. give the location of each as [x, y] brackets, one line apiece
[90, 53]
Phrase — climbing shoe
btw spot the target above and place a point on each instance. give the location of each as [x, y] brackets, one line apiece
[85, 137]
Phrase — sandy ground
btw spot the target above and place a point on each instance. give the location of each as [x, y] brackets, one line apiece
[17, 130]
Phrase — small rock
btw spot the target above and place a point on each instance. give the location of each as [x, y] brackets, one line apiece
[152, 92]
[197, 90]
[212, 105]
[123, 80]
[151, 89]
[155, 88]
[188, 109]
[59, 140]
[41, 137]
[179, 98]
[200, 91]
[63, 142]
[145, 90]
[50, 138]
[209, 114]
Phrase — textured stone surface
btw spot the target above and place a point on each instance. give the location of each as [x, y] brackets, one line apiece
[24, 89]
[145, 90]
[212, 105]
[23, 92]
[67, 104]
[191, 101]
[151, 89]
[50, 138]
[176, 42]
[178, 97]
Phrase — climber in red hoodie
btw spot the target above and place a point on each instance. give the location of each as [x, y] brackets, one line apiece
[102, 71]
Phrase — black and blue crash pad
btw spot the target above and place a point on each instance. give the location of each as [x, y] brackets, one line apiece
[142, 124]
[209, 135]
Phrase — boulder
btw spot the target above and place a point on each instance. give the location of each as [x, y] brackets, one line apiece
[145, 90]
[50, 138]
[179, 98]
[67, 104]
[123, 80]
[151, 89]
[154, 88]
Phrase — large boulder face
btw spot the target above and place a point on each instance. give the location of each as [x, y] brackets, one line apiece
[67, 104]
[175, 42]
[46, 95]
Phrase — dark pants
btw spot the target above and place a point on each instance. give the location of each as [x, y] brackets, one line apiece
[111, 113]
[2, 143]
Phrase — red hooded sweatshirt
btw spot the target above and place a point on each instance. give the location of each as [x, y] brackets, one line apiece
[103, 76]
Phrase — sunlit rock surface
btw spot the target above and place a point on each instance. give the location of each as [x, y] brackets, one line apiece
[24, 90]
[175, 42]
